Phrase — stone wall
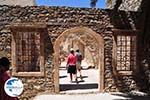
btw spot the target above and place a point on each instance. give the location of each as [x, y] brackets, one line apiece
[127, 5]
[145, 45]
[144, 64]
[18, 2]
[58, 20]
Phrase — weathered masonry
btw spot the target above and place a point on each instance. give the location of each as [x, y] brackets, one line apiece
[18, 2]
[34, 38]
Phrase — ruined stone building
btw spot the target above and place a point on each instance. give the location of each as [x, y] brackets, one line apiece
[127, 5]
[18, 2]
[142, 7]
[36, 39]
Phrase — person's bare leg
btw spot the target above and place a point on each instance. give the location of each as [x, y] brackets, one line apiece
[75, 77]
[79, 70]
[70, 77]
[80, 74]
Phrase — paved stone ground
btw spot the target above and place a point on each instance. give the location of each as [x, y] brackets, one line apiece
[86, 89]
[79, 97]
[95, 96]
[88, 84]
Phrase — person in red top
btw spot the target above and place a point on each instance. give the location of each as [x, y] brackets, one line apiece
[4, 76]
[71, 65]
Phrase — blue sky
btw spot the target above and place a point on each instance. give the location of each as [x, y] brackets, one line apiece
[70, 3]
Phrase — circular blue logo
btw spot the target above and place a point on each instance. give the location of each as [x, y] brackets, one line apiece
[13, 87]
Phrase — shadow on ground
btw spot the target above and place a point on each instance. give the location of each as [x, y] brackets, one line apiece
[64, 76]
[65, 87]
[129, 96]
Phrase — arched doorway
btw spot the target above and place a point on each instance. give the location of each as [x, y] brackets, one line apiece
[85, 39]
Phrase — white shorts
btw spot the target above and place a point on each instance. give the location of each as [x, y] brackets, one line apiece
[78, 65]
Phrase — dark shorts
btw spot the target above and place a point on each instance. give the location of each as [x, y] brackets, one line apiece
[72, 69]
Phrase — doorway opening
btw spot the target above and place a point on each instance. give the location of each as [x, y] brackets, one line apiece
[91, 46]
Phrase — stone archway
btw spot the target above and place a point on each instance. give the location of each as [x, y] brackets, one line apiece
[94, 43]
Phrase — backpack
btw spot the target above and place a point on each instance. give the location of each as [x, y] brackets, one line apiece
[79, 57]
